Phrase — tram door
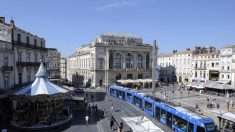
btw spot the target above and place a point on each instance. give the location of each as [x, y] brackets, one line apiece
[158, 113]
[169, 119]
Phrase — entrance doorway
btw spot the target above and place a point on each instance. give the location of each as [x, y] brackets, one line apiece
[101, 82]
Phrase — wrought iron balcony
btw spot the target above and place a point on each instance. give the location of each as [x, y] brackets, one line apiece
[199, 68]
[7, 68]
[28, 45]
[27, 64]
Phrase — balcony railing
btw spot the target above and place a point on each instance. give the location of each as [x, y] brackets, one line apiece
[199, 68]
[27, 63]
[28, 45]
[225, 71]
[7, 68]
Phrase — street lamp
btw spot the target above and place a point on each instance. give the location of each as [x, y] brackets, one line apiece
[154, 65]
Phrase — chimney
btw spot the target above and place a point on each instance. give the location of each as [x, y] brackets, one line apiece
[2, 19]
[12, 23]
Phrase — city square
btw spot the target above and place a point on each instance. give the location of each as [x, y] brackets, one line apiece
[117, 65]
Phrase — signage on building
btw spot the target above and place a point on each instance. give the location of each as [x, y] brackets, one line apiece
[5, 33]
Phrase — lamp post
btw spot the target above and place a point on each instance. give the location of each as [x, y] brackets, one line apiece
[154, 66]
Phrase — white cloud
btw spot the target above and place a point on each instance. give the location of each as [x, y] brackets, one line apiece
[120, 4]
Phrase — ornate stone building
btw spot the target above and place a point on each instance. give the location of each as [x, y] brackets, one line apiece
[53, 63]
[205, 64]
[167, 70]
[111, 57]
[22, 50]
[63, 68]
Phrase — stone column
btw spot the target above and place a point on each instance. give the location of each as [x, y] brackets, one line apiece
[107, 59]
[135, 60]
[144, 61]
[123, 60]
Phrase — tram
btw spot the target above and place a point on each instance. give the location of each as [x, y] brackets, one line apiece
[177, 118]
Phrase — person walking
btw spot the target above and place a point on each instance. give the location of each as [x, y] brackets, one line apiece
[92, 96]
[111, 108]
[228, 104]
[121, 126]
[87, 119]
[111, 124]
[96, 108]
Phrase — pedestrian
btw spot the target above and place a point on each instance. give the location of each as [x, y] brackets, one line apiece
[96, 108]
[89, 109]
[121, 126]
[111, 124]
[228, 104]
[207, 99]
[199, 100]
[92, 97]
[218, 106]
[103, 113]
[87, 118]
[196, 106]
[179, 105]
[111, 108]
[233, 104]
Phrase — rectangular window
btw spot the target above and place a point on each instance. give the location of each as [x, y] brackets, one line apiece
[190, 127]
[5, 61]
[157, 113]
[129, 76]
[140, 76]
[148, 106]
[163, 114]
[200, 129]
[18, 37]
[27, 40]
[19, 57]
[128, 95]
[180, 123]
[35, 42]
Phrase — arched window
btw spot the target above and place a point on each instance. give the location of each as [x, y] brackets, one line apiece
[129, 61]
[118, 61]
[140, 61]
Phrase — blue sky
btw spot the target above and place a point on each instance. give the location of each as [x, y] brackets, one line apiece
[175, 24]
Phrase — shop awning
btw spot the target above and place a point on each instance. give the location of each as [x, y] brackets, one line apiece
[223, 114]
[141, 124]
[224, 81]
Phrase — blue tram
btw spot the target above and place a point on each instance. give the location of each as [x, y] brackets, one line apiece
[177, 118]
[183, 120]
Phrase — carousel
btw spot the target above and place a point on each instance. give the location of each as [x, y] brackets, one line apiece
[40, 105]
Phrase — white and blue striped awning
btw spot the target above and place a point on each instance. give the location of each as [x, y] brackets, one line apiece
[41, 85]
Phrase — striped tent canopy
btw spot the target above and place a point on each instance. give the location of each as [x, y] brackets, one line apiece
[41, 85]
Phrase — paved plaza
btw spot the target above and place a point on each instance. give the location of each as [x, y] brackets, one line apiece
[99, 121]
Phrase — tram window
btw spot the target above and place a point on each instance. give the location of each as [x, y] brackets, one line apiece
[128, 95]
[148, 106]
[158, 113]
[136, 100]
[190, 127]
[210, 127]
[163, 114]
[200, 129]
[140, 103]
[180, 123]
